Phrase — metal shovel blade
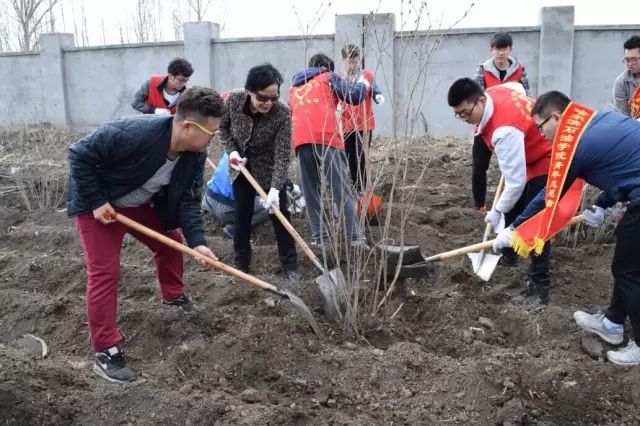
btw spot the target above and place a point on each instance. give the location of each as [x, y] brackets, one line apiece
[332, 287]
[484, 264]
[302, 310]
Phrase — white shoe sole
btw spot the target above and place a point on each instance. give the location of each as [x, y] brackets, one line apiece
[624, 364]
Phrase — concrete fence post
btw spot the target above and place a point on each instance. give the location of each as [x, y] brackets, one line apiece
[54, 100]
[198, 38]
[555, 66]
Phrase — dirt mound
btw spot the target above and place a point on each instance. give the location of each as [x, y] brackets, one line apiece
[456, 352]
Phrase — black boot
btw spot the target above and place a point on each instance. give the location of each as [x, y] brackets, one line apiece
[533, 295]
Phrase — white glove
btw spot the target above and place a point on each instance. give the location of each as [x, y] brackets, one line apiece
[493, 217]
[161, 111]
[595, 218]
[379, 99]
[364, 81]
[273, 199]
[296, 192]
[235, 161]
[503, 239]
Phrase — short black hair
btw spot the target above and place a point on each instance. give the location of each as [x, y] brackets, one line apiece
[262, 76]
[553, 101]
[199, 103]
[320, 60]
[350, 51]
[464, 89]
[632, 42]
[180, 66]
[501, 40]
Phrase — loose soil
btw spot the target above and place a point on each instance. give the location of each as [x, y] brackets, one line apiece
[456, 352]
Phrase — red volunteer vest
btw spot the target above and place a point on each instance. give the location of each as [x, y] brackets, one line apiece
[634, 104]
[491, 80]
[313, 108]
[352, 117]
[154, 97]
[511, 108]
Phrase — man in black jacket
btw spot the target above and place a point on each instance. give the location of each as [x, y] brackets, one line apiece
[149, 169]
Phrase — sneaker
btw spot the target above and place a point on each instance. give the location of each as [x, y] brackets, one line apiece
[593, 324]
[183, 302]
[294, 276]
[629, 355]
[228, 231]
[111, 365]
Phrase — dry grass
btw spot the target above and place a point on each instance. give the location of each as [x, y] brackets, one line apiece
[33, 158]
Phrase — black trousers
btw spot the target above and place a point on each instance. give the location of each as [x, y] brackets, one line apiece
[480, 159]
[244, 196]
[353, 143]
[625, 300]
[538, 272]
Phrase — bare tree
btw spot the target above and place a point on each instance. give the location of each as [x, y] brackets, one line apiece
[143, 21]
[29, 15]
[178, 21]
[198, 8]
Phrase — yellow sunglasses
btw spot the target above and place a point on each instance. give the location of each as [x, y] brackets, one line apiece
[201, 127]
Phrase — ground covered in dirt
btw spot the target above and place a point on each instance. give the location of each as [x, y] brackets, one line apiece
[456, 351]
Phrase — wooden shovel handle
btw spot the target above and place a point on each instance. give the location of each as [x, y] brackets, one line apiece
[488, 228]
[191, 252]
[283, 220]
[481, 246]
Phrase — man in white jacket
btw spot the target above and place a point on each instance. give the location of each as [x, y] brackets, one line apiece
[502, 116]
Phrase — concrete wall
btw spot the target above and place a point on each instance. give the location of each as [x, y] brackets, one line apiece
[66, 85]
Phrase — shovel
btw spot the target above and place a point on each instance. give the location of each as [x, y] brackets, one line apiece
[331, 283]
[421, 268]
[285, 294]
[485, 263]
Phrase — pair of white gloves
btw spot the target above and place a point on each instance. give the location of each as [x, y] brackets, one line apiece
[273, 197]
[592, 218]
[161, 111]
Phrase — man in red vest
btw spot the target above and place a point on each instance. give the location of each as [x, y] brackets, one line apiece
[502, 117]
[354, 123]
[500, 68]
[160, 94]
[626, 89]
[317, 143]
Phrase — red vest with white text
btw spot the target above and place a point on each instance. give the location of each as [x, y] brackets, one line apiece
[512, 108]
[313, 113]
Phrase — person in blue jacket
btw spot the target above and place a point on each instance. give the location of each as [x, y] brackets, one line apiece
[607, 157]
[218, 199]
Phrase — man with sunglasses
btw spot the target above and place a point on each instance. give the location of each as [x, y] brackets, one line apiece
[501, 116]
[151, 170]
[626, 89]
[160, 94]
[605, 152]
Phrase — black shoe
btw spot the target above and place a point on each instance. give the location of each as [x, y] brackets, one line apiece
[532, 296]
[509, 261]
[294, 276]
[111, 365]
[181, 302]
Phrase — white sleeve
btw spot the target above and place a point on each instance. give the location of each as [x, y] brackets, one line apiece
[508, 144]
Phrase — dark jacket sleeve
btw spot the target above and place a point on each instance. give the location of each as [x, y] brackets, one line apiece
[189, 215]
[481, 157]
[479, 77]
[140, 99]
[86, 157]
[524, 80]
[351, 93]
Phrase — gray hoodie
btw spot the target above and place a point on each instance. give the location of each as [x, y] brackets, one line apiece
[490, 67]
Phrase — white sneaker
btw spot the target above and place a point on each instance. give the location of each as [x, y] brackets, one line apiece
[593, 324]
[629, 355]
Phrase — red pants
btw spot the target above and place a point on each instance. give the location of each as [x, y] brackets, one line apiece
[102, 245]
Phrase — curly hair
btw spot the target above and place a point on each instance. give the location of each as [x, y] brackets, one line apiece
[180, 66]
[262, 76]
[320, 60]
[199, 103]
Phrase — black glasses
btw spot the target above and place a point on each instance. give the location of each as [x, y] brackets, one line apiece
[464, 114]
[265, 98]
[541, 125]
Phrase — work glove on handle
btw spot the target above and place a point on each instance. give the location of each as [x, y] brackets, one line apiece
[594, 218]
[379, 99]
[161, 111]
[493, 217]
[235, 161]
[503, 239]
[273, 199]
